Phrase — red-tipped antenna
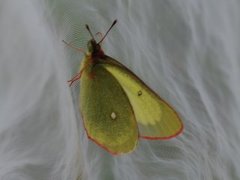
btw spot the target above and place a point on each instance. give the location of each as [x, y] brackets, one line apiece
[114, 22]
[90, 32]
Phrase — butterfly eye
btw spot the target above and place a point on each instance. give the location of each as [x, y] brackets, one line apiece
[97, 48]
[91, 45]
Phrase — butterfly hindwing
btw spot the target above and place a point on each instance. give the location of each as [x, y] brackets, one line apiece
[107, 113]
[156, 119]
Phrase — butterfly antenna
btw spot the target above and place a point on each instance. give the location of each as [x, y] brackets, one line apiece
[90, 32]
[114, 22]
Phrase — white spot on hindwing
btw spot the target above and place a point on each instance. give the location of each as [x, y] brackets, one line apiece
[113, 116]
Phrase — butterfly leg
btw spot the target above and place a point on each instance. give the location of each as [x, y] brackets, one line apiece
[78, 75]
[100, 35]
[75, 78]
[70, 45]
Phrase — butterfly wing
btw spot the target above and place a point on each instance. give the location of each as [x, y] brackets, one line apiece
[107, 113]
[156, 119]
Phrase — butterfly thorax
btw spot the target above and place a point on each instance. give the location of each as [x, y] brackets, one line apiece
[93, 56]
[94, 49]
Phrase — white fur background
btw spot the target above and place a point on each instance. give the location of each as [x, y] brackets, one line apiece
[187, 51]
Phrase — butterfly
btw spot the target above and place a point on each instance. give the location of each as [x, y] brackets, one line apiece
[117, 107]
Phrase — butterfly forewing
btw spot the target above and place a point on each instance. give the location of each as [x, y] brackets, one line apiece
[156, 119]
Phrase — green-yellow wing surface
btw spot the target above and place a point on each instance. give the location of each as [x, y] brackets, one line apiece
[156, 119]
[107, 113]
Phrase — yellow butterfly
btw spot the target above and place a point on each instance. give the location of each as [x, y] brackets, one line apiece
[117, 107]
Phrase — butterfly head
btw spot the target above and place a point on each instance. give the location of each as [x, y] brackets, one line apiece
[94, 48]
